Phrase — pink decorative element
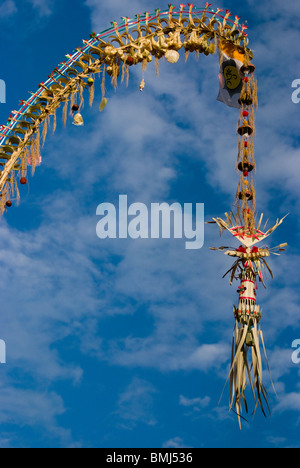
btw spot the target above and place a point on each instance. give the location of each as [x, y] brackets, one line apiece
[38, 161]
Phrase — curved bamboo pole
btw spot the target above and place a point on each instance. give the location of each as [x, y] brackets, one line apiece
[129, 43]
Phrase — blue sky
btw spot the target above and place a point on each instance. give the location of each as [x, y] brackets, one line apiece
[127, 343]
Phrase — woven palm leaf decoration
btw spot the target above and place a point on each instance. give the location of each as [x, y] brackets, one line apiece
[248, 269]
[239, 89]
[110, 55]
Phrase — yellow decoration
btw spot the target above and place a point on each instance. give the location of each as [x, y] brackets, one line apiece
[172, 56]
[78, 120]
[103, 104]
[142, 85]
[232, 77]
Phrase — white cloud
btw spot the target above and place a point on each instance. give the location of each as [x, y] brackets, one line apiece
[7, 9]
[135, 404]
[176, 442]
[44, 7]
[288, 402]
[35, 408]
[277, 441]
[103, 14]
[196, 403]
[277, 11]
[209, 356]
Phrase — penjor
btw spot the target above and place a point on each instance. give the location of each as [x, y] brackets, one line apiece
[239, 89]
[248, 270]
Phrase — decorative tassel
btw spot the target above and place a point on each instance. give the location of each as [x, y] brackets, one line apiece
[45, 129]
[65, 113]
[246, 369]
[115, 75]
[91, 84]
[24, 158]
[157, 65]
[33, 156]
[54, 122]
[81, 105]
[123, 72]
[3, 198]
[144, 65]
[246, 335]
[127, 75]
[103, 82]
[72, 102]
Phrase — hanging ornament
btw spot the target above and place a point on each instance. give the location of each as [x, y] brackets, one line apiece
[246, 100]
[90, 81]
[245, 130]
[172, 56]
[248, 69]
[103, 104]
[130, 61]
[37, 161]
[246, 166]
[142, 85]
[246, 195]
[78, 120]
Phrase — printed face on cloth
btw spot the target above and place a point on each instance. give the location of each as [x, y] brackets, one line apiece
[231, 75]
[230, 78]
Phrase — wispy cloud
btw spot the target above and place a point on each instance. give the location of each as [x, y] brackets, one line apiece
[289, 402]
[43, 7]
[196, 403]
[7, 9]
[135, 404]
[32, 408]
[176, 442]
[113, 11]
